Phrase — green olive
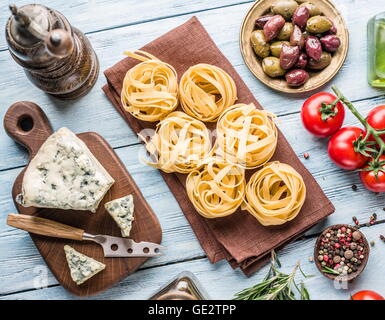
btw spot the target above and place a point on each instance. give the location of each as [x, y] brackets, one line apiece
[285, 8]
[276, 47]
[313, 9]
[260, 46]
[318, 24]
[271, 66]
[286, 31]
[323, 62]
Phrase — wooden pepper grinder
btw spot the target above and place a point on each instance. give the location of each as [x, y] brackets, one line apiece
[56, 57]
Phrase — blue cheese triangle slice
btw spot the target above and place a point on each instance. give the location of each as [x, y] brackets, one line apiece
[81, 266]
[122, 211]
[64, 174]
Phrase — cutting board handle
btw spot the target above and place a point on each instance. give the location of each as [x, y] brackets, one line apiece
[27, 124]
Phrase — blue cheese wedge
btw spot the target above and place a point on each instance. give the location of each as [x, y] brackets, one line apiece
[81, 267]
[122, 211]
[64, 174]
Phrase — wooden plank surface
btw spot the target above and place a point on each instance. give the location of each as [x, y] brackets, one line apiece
[222, 282]
[177, 233]
[95, 15]
[109, 46]
[135, 25]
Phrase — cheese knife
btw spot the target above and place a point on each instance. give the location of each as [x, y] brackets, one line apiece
[113, 247]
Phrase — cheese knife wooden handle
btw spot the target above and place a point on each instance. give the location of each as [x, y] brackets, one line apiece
[44, 227]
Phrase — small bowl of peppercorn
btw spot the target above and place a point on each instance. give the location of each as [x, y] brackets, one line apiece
[341, 251]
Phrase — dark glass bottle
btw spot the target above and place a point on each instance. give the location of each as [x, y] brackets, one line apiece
[184, 287]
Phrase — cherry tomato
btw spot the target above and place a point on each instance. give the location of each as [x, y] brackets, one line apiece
[312, 116]
[366, 295]
[376, 118]
[341, 149]
[369, 179]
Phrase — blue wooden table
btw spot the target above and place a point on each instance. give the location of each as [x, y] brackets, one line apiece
[117, 25]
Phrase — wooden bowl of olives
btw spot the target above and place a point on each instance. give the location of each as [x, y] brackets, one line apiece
[294, 46]
[341, 252]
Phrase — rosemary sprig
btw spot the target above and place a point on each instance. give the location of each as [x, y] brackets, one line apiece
[326, 269]
[276, 285]
[304, 293]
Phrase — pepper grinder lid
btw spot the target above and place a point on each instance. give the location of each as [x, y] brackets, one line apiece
[29, 24]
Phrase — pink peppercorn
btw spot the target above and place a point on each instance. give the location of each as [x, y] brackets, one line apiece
[337, 245]
[326, 258]
[349, 239]
[343, 229]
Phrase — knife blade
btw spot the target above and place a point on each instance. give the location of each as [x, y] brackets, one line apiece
[123, 247]
[113, 247]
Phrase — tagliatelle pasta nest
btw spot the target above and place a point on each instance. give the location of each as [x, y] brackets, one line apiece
[246, 135]
[216, 189]
[180, 143]
[206, 91]
[150, 89]
[275, 194]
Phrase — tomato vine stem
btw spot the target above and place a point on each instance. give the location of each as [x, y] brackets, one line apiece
[370, 131]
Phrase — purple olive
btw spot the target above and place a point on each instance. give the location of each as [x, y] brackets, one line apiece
[300, 16]
[330, 43]
[313, 48]
[296, 77]
[261, 21]
[302, 61]
[297, 38]
[289, 56]
[273, 27]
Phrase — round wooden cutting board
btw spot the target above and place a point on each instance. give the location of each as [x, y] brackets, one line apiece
[27, 124]
[317, 79]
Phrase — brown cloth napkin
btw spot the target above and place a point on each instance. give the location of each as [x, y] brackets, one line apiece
[238, 238]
